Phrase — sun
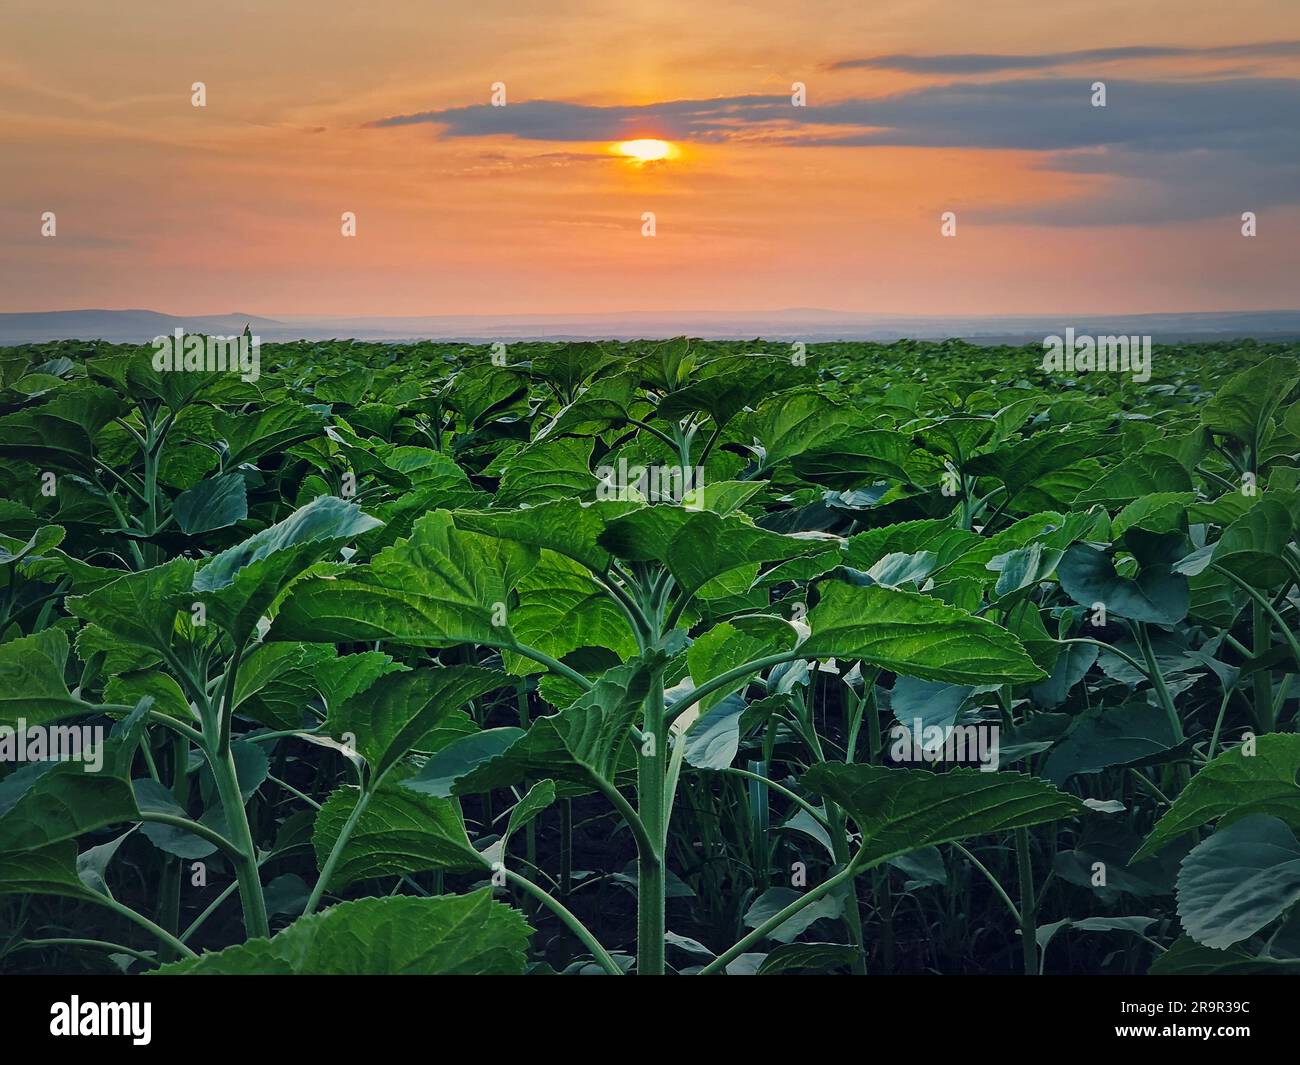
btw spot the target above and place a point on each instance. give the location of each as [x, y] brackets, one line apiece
[646, 150]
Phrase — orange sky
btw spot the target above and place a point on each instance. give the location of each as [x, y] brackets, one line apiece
[236, 206]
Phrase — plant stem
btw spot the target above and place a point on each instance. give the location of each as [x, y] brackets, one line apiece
[95, 944]
[1158, 680]
[250, 883]
[570, 921]
[775, 921]
[1028, 909]
[158, 932]
[336, 852]
[651, 884]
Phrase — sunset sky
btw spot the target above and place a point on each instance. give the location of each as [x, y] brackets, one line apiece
[914, 107]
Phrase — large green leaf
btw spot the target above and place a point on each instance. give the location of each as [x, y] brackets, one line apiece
[31, 680]
[457, 935]
[1131, 735]
[1239, 880]
[45, 802]
[1244, 405]
[902, 810]
[265, 430]
[858, 458]
[561, 608]
[567, 526]
[140, 608]
[439, 587]
[1156, 595]
[399, 832]
[697, 546]
[238, 586]
[392, 715]
[731, 644]
[584, 740]
[213, 503]
[49, 870]
[1137, 476]
[915, 635]
[1254, 778]
[548, 470]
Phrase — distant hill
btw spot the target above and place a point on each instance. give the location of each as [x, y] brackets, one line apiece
[809, 324]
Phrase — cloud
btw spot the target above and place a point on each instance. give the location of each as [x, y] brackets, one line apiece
[1175, 149]
[550, 120]
[992, 63]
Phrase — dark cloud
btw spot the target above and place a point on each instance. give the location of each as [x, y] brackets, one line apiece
[549, 120]
[1176, 149]
[991, 63]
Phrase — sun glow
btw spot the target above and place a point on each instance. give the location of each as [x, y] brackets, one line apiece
[646, 151]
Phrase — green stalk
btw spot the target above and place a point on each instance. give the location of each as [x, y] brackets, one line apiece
[571, 922]
[250, 883]
[336, 852]
[651, 885]
[1028, 908]
[566, 847]
[94, 944]
[140, 919]
[776, 920]
[852, 912]
[1158, 679]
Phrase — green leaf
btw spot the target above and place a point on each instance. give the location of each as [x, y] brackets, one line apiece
[440, 587]
[1140, 475]
[584, 740]
[1234, 785]
[1252, 546]
[44, 539]
[733, 643]
[454, 935]
[31, 680]
[561, 608]
[1239, 880]
[239, 585]
[861, 457]
[439, 774]
[140, 608]
[916, 635]
[1157, 595]
[45, 802]
[551, 469]
[1243, 406]
[398, 832]
[213, 503]
[566, 526]
[697, 546]
[1188, 958]
[776, 899]
[49, 870]
[539, 797]
[1132, 735]
[131, 687]
[714, 740]
[1019, 465]
[265, 430]
[902, 810]
[392, 715]
[814, 957]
